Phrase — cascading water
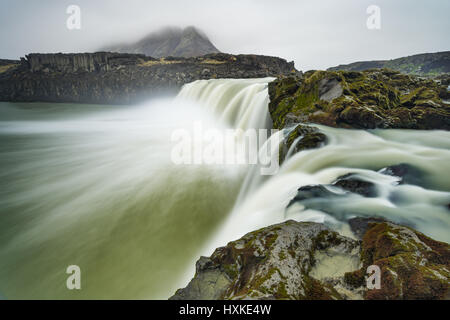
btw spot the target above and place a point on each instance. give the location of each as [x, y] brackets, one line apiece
[239, 103]
[360, 152]
[95, 187]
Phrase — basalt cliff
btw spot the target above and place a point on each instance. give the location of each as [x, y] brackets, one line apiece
[116, 78]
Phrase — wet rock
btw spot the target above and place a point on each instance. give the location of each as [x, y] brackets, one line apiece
[408, 174]
[352, 183]
[313, 192]
[346, 183]
[301, 138]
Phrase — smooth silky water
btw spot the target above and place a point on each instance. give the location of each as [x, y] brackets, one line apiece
[95, 186]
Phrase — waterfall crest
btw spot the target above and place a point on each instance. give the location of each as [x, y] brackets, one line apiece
[240, 103]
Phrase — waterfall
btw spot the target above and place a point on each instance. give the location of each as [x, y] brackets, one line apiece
[240, 103]
[95, 186]
[263, 201]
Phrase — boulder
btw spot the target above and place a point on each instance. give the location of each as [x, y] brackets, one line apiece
[408, 173]
[301, 137]
[352, 183]
[283, 261]
[305, 260]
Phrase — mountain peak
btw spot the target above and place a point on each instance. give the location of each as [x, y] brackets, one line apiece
[170, 41]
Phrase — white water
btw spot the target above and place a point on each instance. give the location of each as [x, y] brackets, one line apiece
[361, 152]
[95, 186]
[240, 103]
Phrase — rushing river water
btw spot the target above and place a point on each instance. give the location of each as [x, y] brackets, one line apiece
[95, 186]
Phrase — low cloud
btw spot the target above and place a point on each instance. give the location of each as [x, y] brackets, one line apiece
[315, 34]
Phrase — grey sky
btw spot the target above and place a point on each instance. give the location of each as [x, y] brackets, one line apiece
[315, 34]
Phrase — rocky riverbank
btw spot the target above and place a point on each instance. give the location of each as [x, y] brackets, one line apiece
[114, 78]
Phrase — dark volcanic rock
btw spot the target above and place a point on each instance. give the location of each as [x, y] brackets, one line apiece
[302, 137]
[312, 192]
[114, 78]
[346, 183]
[407, 173]
[361, 100]
[351, 183]
[359, 225]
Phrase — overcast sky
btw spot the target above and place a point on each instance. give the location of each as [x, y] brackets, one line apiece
[315, 34]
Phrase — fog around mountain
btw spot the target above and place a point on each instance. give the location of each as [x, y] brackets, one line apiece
[315, 34]
[169, 41]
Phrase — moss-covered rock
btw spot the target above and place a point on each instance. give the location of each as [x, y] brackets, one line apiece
[364, 100]
[276, 262]
[412, 265]
[301, 137]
